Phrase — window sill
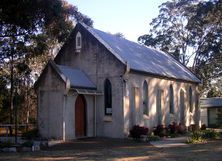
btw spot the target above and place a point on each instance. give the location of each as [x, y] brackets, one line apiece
[107, 119]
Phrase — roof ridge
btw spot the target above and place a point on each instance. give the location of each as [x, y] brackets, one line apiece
[90, 29]
[142, 58]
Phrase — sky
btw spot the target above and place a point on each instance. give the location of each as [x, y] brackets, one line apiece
[129, 17]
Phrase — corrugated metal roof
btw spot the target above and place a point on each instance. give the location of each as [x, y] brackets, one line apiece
[77, 78]
[211, 102]
[142, 58]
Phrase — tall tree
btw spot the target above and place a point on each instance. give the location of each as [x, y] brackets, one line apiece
[28, 29]
[169, 32]
[190, 30]
[206, 29]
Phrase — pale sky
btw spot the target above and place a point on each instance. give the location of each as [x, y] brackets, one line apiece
[129, 17]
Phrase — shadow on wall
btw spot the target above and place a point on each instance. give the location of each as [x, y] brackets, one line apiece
[180, 101]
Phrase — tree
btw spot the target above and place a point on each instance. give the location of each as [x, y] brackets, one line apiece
[28, 30]
[169, 32]
[213, 92]
[4, 102]
[206, 29]
[119, 34]
[191, 31]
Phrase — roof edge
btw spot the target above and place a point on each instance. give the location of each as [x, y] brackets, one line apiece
[81, 87]
[162, 76]
[140, 71]
[57, 70]
[107, 46]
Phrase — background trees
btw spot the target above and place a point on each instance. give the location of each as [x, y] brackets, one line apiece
[29, 33]
[191, 31]
[32, 31]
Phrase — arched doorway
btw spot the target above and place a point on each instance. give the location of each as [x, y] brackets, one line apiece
[80, 116]
[182, 108]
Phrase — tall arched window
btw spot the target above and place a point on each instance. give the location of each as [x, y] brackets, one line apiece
[171, 100]
[191, 99]
[108, 97]
[145, 99]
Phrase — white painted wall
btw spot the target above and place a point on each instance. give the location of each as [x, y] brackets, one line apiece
[154, 84]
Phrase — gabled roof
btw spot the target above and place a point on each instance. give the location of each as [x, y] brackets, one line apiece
[76, 77]
[211, 102]
[141, 58]
[73, 78]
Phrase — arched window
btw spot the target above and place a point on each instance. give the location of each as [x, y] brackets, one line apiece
[108, 97]
[159, 106]
[171, 100]
[145, 99]
[182, 107]
[78, 42]
[191, 99]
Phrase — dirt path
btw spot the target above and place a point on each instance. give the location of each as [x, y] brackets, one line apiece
[117, 149]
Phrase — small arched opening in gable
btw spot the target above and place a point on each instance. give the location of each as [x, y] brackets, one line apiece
[78, 42]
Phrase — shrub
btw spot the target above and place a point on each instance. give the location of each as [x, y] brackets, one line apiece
[160, 131]
[137, 131]
[181, 129]
[34, 133]
[173, 128]
[203, 127]
[210, 134]
[196, 137]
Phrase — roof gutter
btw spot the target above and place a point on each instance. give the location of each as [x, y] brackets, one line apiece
[163, 77]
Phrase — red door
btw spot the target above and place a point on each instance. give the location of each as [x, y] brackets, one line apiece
[80, 116]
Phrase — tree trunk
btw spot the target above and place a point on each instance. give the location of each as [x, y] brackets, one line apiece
[11, 90]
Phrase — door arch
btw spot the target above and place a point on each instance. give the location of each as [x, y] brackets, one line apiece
[80, 116]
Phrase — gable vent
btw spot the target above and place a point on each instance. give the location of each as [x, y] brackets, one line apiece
[78, 42]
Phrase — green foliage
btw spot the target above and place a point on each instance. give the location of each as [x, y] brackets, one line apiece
[169, 32]
[202, 136]
[188, 29]
[213, 92]
[195, 138]
[29, 31]
[210, 134]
